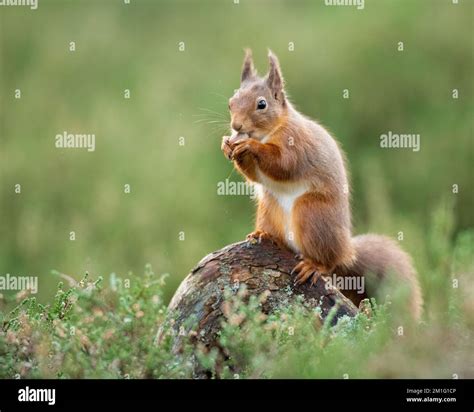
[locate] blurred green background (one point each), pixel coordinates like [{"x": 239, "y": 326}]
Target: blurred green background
[{"x": 184, "y": 94}]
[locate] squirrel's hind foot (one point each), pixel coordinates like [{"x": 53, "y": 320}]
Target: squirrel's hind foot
[{"x": 306, "y": 269}]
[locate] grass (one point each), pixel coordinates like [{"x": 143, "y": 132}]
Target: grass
[
  {"x": 106, "y": 328},
  {"x": 184, "y": 94},
  {"x": 99, "y": 329}
]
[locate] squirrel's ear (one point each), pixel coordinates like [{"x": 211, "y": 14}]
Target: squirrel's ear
[
  {"x": 248, "y": 70},
  {"x": 274, "y": 77}
]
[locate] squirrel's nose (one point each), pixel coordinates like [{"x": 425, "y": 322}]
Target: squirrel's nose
[{"x": 236, "y": 126}]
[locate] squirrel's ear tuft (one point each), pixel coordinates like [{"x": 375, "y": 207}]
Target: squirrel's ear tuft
[
  {"x": 274, "y": 77},
  {"x": 248, "y": 69}
]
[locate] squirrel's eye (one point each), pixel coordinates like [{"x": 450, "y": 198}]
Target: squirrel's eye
[{"x": 261, "y": 104}]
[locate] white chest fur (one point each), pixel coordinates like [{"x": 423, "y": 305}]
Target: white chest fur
[{"x": 286, "y": 195}]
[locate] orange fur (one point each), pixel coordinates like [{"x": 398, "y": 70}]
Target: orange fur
[{"x": 300, "y": 172}]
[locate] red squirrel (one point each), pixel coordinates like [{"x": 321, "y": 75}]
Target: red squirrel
[{"x": 299, "y": 173}]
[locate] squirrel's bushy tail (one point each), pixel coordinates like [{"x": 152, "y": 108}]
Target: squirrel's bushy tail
[{"x": 380, "y": 260}]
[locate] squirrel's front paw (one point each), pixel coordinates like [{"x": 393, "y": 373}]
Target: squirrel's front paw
[
  {"x": 242, "y": 148},
  {"x": 258, "y": 235},
  {"x": 226, "y": 147}
]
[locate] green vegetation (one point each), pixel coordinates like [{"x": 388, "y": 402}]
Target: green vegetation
[
  {"x": 96, "y": 331},
  {"x": 173, "y": 215}
]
